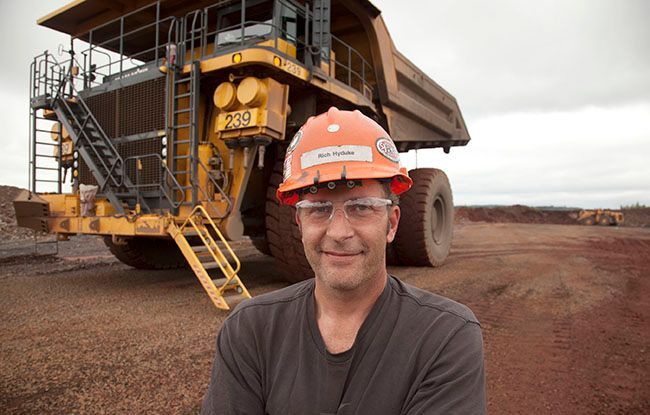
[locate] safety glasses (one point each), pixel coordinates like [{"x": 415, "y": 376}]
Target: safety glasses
[{"x": 357, "y": 211}]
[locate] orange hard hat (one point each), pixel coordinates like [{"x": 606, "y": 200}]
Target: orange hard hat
[{"x": 340, "y": 146}]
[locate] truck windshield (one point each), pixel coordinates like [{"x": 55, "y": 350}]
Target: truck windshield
[
  {"x": 254, "y": 31},
  {"x": 257, "y": 22}
]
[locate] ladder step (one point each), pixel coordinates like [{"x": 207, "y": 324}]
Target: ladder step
[
  {"x": 188, "y": 94},
  {"x": 191, "y": 232},
  {"x": 200, "y": 248},
  {"x": 219, "y": 282},
  {"x": 183, "y": 111},
  {"x": 182, "y": 141},
  {"x": 210, "y": 265},
  {"x": 176, "y": 127},
  {"x": 181, "y": 157}
]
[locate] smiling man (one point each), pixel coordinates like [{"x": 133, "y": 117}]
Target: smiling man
[{"x": 353, "y": 340}]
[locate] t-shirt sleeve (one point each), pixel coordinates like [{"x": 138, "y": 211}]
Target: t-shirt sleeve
[
  {"x": 455, "y": 381},
  {"x": 235, "y": 386}
]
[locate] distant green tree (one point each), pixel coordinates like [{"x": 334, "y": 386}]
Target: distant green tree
[{"x": 636, "y": 205}]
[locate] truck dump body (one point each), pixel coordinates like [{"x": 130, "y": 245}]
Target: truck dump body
[{"x": 417, "y": 112}]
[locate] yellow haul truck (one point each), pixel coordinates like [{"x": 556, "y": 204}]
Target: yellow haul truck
[
  {"x": 171, "y": 119},
  {"x": 601, "y": 217}
]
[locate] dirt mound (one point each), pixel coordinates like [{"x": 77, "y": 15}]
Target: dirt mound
[
  {"x": 515, "y": 214},
  {"x": 8, "y": 228},
  {"x": 637, "y": 217}
]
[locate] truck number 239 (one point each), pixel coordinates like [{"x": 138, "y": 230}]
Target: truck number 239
[{"x": 238, "y": 120}]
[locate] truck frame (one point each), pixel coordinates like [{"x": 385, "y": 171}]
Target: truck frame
[{"x": 173, "y": 118}]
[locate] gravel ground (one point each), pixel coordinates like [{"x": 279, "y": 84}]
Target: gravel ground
[{"x": 564, "y": 311}]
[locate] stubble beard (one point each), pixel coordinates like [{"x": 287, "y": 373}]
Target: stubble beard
[{"x": 348, "y": 278}]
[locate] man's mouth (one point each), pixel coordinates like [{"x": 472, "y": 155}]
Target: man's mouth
[{"x": 341, "y": 254}]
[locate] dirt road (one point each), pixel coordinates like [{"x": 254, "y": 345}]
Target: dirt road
[{"x": 565, "y": 313}]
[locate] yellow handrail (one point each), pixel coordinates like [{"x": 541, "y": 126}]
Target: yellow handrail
[{"x": 204, "y": 213}]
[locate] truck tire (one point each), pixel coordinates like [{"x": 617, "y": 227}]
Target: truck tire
[
  {"x": 587, "y": 221},
  {"x": 282, "y": 233},
  {"x": 147, "y": 253},
  {"x": 261, "y": 244},
  {"x": 425, "y": 230},
  {"x": 391, "y": 255}
]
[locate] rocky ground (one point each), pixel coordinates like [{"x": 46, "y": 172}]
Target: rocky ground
[{"x": 565, "y": 313}]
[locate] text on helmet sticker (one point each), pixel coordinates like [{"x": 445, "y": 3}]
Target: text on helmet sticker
[
  {"x": 333, "y": 154},
  {"x": 387, "y": 148},
  {"x": 287, "y": 167}
]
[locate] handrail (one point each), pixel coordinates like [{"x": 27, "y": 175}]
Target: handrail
[
  {"x": 353, "y": 69},
  {"x": 59, "y": 94},
  {"x": 201, "y": 210},
  {"x": 217, "y": 187},
  {"x": 163, "y": 169}
]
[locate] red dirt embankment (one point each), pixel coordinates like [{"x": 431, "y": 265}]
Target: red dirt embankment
[
  {"x": 637, "y": 217},
  {"x": 524, "y": 214}
]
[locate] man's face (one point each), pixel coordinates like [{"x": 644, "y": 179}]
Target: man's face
[{"x": 345, "y": 254}]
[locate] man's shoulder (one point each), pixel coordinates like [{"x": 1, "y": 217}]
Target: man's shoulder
[
  {"x": 282, "y": 299},
  {"x": 426, "y": 302}
]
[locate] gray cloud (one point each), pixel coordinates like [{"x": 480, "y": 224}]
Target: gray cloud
[
  {"x": 509, "y": 55},
  {"x": 548, "y": 90}
]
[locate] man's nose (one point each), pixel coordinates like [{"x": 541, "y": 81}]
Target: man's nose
[{"x": 339, "y": 227}]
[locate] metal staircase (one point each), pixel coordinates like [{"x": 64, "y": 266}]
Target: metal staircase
[
  {"x": 53, "y": 89},
  {"x": 99, "y": 153},
  {"x": 195, "y": 239}
]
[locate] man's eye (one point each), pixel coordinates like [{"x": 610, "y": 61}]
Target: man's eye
[{"x": 359, "y": 209}]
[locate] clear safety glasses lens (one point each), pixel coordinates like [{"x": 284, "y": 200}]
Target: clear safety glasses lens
[{"x": 355, "y": 210}]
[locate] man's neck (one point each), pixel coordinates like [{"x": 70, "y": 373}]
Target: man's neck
[{"x": 340, "y": 314}]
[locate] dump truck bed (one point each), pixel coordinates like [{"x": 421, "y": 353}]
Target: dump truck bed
[{"x": 419, "y": 112}]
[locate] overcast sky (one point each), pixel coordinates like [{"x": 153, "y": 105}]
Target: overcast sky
[{"x": 555, "y": 94}]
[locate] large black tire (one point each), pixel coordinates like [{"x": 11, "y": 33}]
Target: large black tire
[
  {"x": 147, "y": 253},
  {"x": 261, "y": 244},
  {"x": 282, "y": 233},
  {"x": 425, "y": 229}
]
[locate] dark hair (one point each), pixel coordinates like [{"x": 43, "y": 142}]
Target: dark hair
[{"x": 389, "y": 193}]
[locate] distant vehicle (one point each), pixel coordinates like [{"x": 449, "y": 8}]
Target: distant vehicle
[
  {"x": 601, "y": 217},
  {"x": 174, "y": 119}
]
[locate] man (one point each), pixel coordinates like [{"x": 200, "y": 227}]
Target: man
[{"x": 353, "y": 340}]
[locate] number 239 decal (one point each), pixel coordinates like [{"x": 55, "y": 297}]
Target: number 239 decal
[{"x": 238, "y": 120}]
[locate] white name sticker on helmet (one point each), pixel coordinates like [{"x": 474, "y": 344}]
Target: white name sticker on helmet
[{"x": 334, "y": 154}]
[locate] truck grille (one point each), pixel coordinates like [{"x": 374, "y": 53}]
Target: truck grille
[
  {"x": 134, "y": 109},
  {"x": 151, "y": 169}
]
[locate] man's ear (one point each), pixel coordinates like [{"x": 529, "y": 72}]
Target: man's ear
[
  {"x": 298, "y": 221},
  {"x": 393, "y": 221}
]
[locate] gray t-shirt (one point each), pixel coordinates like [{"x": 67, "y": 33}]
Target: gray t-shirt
[{"x": 416, "y": 353}]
